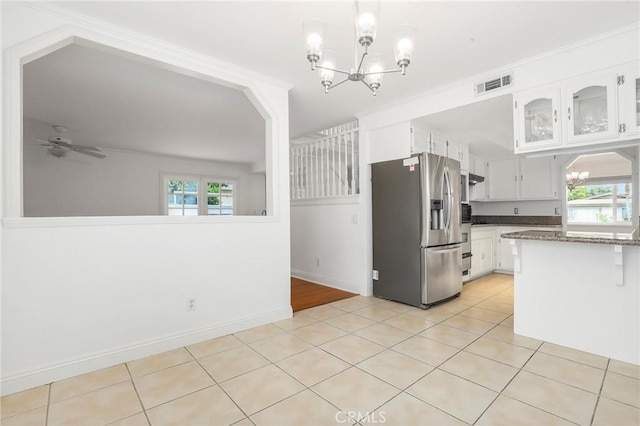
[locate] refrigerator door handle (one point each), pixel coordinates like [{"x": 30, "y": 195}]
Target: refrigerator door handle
[
  {"x": 445, "y": 248},
  {"x": 449, "y": 205}
]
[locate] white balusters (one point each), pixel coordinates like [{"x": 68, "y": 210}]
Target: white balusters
[{"x": 327, "y": 167}]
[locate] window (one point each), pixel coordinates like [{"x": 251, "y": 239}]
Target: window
[
  {"x": 600, "y": 192},
  {"x": 182, "y": 198},
  {"x": 601, "y": 203},
  {"x": 219, "y": 199},
  {"x": 185, "y": 196}
]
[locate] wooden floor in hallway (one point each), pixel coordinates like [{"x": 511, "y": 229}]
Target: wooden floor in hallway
[{"x": 305, "y": 294}]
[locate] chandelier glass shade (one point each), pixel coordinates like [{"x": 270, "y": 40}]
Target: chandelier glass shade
[
  {"x": 575, "y": 179},
  {"x": 368, "y": 67}
]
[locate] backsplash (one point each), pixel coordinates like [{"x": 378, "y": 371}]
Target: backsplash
[{"x": 516, "y": 220}]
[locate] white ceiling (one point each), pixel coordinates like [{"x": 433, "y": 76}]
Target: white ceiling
[
  {"x": 455, "y": 40},
  {"x": 485, "y": 126}
]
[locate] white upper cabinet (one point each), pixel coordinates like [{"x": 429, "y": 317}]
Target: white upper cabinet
[
  {"x": 590, "y": 107},
  {"x": 460, "y": 151},
  {"x": 502, "y": 177},
  {"x": 629, "y": 85},
  {"x": 538, "y": 180},
  {"x": 522, "y": 179},
  {"x": 598, "y": 108},
  {"x": 536, "y": 118},
  {"x": 437, "y": 144}
]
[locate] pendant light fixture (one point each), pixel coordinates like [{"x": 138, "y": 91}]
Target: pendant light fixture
[
  {"x": 575, "y": 179},
  {"x": 368, "y": 67}
]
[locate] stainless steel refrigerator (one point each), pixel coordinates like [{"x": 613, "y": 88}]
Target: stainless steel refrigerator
[{"x": 417, "y": 255}]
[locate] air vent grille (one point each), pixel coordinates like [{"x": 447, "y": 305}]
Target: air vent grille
[{"x": 493, "y": 84}]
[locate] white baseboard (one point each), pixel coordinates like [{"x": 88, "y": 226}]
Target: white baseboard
[
  {"x": 326, "y": 281},
  {"x": 91, "y": 362}
]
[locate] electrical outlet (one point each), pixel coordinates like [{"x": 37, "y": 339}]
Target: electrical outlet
[
  {"x": 515, "y": 210},
  {"x": 375, "y": 274},
  {"x": 191, "y": 304},
  {"x": 557, "y": 210}
]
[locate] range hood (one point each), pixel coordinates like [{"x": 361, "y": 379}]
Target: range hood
[{"x": 473, "y": 179}]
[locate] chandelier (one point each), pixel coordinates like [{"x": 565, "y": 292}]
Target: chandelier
[
  {"x": 368, "y": 67},
  {"x": 576, "y": 179}
]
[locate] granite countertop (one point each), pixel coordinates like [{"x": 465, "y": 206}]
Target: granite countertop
[
  {"x": 623, "y": 239},
  {"x": 514, "y": 225}
]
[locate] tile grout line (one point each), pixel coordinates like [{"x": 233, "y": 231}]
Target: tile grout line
[
  {"x": 604, "y": 377},
  {"x": 135, "y": 388},
  {"x": 46, "y": 417},
  {"x": 216, "y": 383},
  {"x": 507, "y": 385}
]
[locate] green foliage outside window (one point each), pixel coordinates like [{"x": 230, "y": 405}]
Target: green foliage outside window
[{"x": 580, "y": 192}]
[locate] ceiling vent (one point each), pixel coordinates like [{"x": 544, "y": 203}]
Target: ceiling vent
[{"x": 493, "y": 84}]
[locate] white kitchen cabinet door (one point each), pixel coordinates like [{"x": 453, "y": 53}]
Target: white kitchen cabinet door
[
  {"x": 419, "y": 141},
  {"x": 538, "y": 178},
  {"x": 589, "y": 106},
  {"x": 629, "y": 90},
  {"x": 482, "y": 250},
  {"x": 504, "y": 261},
  {"x": 462, "y": 154},
  {"x": 502, "y": 179},
  {"x": 438, "y": 144},
  {"x": 536, "y": 121}
]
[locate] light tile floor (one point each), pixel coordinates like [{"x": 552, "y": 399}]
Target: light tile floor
[{"x": 360, "y": 361}]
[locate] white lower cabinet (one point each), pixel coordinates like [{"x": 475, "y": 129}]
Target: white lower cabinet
[
  {"x": 504, "y": 253},
  {"x": 490, "y": 252},
  {"x": 504, "y": 261},
  {"x": 482, "y": 251}
]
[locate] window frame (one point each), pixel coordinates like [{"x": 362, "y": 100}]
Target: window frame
[
  {"x": 202, "y": 193},
  {"x": 615, "y": 223}
]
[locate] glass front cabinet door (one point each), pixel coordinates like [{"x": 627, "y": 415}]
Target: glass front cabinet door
[
  {"x": 630, "y": 92},
  {"x": 537, "y": 118},
  {"x": 590, "y": 108}
]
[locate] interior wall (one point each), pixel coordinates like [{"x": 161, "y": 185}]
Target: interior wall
[
  {"x": 326, "y": 241},
  {"x": 80, "y": 295},
  {"x": 123, "y": 184}
]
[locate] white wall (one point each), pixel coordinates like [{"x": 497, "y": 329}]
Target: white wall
[
  {"x": 326, "y": 243},
  {"x": 78, "y": 295},
  {"x": 123, "y": 184}
]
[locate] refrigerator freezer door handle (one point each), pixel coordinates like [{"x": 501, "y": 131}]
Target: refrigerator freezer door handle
[{"x": 445, "y": 248}]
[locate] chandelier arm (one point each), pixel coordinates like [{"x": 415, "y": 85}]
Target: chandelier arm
[
  {"x": 337, "y": 84},
  {"x": 382, "y": 72},
  {"x": 364, "y": 54},
  {"x": 369, "y": 86},
  {"x": 333, "y": 69}
]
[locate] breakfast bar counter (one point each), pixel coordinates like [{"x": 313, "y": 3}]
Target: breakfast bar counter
[
  {"x": 611, "y": 238},
  {"x": 580, "y": 290}
]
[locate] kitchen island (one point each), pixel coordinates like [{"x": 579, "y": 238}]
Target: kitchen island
[{"x": 580, "y": 290}]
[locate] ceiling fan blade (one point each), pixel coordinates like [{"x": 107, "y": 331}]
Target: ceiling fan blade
[
  {"x": 41, "y": 140},
  {"x": 90, "y": 153},
  {"x": 86, "y": 147}
]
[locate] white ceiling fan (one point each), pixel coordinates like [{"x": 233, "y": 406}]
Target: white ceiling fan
[{"x": 60, "y": 147}]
